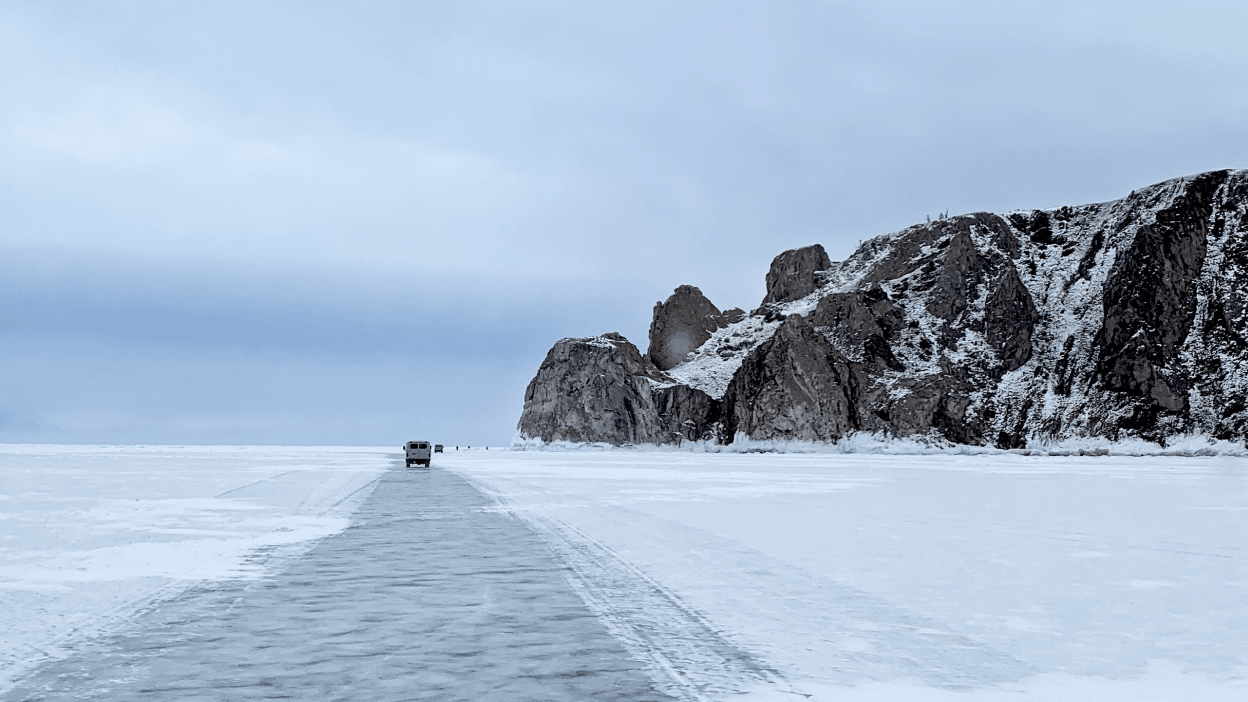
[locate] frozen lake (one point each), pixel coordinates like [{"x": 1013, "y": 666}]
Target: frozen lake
[
  {"x": 430, "y": 595},
  {"x": 218, "y": 573}
]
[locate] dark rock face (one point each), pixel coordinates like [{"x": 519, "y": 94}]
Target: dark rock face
[
  {"x": 1216, "y": 350},
  {"x": 1149, "y": 305},
  {"x": 861, "y": 324},
  {"x": 1009, "y": 317},
  {"x": 795, "y": 386},
  {"x": 792, "y": 274},
  {"x": 812, "y": 380},
  {"x": 592, "y": 389},
  {"x": 686, "y": 414},
  {"x": 682, "y": 324},
  {"x": 603, "y": 389},
  {"x": 1121, "y": 319}
]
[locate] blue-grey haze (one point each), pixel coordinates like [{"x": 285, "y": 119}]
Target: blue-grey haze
[{"x": 323, "y": 222}]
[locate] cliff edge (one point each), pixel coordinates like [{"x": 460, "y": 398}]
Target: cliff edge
[{"x": 1117, "y": 320}]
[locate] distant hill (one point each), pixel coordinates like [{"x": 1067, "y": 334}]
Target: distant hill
[{"x": 1117, "y": 320}]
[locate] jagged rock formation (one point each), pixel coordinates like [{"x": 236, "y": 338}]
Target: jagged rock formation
[
  {"x": 1120, "y": 319},
  {"x": 684, "y": 323},
  {"x": 603, "y": 389},
  {"x": 792, "y": 274}
]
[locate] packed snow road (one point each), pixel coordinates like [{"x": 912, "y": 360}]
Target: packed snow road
[{"x": 216, "y": 573}]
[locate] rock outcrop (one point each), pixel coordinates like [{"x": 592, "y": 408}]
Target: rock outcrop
[
  {"x": 602, "y": 389},
  {"x": 792, "y": 275},
  {"x": 684, "y": 323},
  {"x": 1120, "y": 319}
]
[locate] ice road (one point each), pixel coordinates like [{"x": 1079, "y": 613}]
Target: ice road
[{"x": 335, "y": 573}]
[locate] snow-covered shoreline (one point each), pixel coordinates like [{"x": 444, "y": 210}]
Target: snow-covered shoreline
[{"x": 875, "y": 443}]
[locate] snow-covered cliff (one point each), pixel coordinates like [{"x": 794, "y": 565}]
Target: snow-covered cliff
[{"x": 1116, "y": 320}]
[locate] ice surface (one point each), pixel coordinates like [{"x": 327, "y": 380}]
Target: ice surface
[
  {"x": 89, "y": 535},
  {"x": 768, "y": 576},
  {"x": 430, "y": 595},
  {"x": 880, "y": 577}
]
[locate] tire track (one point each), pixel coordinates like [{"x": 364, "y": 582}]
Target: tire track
[
  {"x": 430, "y": 595},
  {"x": 685, "y": 653}
]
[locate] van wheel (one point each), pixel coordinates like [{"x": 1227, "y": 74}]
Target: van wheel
[{"x": 409, "y": 464}]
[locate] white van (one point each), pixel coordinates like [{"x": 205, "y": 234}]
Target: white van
[{"x": 418, "y": 452}]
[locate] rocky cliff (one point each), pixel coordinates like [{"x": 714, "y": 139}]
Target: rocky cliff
[
  {"x": 1116, "y": 320},
  {"x": 684, "y": 323}
]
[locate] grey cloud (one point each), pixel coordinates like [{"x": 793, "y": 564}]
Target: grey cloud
[{"x": 483, "y": 165}]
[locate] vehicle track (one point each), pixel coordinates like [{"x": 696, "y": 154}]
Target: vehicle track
[
  {"x": 684, "y": 651},
  {"x": 431, "y": 594}
]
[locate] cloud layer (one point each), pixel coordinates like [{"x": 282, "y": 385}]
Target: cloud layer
[{"x": 452, "y": 186}]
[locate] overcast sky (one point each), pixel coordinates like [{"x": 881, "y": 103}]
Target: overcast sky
[{"x": 364, "y": 222}]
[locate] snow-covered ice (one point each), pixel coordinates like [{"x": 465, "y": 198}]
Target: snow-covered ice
[
  {"x": 89, "y": 535},
  {"x": 431, "y": 594},
  {"x": 878, "y": 577},
  {"x": 724, "y": 576}
]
